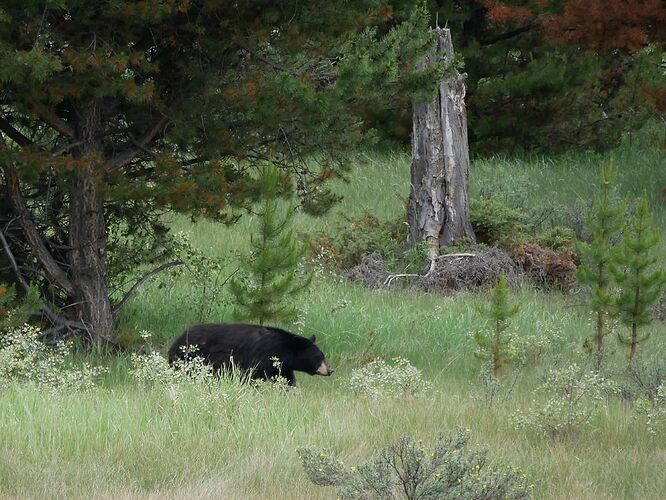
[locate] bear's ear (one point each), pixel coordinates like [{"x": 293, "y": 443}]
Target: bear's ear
[{"x": 313, "y": 338}]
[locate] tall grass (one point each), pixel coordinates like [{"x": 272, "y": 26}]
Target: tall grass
[{"x": 124, "y": 441}]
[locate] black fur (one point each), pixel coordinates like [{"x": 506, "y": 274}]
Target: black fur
[{"x": 250, "y": 348}]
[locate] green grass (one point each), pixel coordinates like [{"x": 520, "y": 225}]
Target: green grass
[{"x": 124, "y": 441}]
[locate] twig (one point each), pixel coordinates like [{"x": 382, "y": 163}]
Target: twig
[
  {"x": 391, "y": 277},
  {"x": 269, "y": 62},
  {"x": 12, "y": 261},
  {"x": 454, "y": 255},
  {"x": 142, "y": 280}
]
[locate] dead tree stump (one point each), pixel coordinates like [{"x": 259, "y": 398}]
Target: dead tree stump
[{"x": 438, "y": 207}]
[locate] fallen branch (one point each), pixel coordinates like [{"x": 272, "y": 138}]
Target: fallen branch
[
  {"x": 454, "y": 255},
  {"x": 451, "y": 256},
  {"x": 391, "y": 277}
]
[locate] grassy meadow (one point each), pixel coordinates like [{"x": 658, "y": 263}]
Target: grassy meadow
[{"x": 122, "y": 440}]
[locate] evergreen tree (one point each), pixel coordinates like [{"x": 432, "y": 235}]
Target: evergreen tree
[
  {"x": 495, "y": 346},
  {"x": 640, "y": 279},
  {"x": 605, "y": 222},
  {"x": 114, "y": 112},
  {"x": 273, "y": 279}
]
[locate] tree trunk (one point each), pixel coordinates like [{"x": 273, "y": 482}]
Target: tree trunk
[
  {"x": 87, "y": 230},
  {"x": 438, "y": 209}
]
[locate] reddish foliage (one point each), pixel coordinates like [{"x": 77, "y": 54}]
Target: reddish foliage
[
  {"x": 604, "y": 25},
  {"x": 658, "y": 96},
  {"x": 600, "y": 25},
  {"x": 500, "y": 13},
  {"x": 553, "y": 268}
]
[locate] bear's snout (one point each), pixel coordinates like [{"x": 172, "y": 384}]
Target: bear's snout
[{"x": 324, "y": 369}]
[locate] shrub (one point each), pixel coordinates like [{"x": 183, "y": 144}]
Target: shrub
[
  {"x": 641, "y": 380},
  {"x": 558, "y": 238},
  {"x": 573, "y": 399},
  {"x": 359, "y": 236},
  {"x": 24, "y": 358},
  {"x": 654, "y": 409},
  {"x": 190, "y": 385},
  {"x": 406, "y": 469},
  {"x": 545, "y": 266},
  {"x": 494, "y": 221},
  {"x": 379, "y": 379},
  {"x": 15, "y": 311}
]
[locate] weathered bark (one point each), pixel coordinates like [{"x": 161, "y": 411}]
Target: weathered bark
[
  {"x": 87, "y": 229},
  {"x": 438, "y": 209}
]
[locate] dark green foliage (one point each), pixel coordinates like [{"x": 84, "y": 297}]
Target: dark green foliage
[
  {"x": 495, "y": 346},
  {"x": 605, "y": 223},
  {"x": 273, "y": 279},
  {"x": 115, "y": 112},
  {"x": 494, "y": 221},
  {"x": 14, "y": 310},
  {"x": 639, "y": 275},
  {"x": 406, "y": 469},
  {"x": 526, "y": 92},
  {"x": 355, "y": 237},
  {"x": 558, "y": 238}
]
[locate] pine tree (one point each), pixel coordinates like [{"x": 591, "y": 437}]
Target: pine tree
[
  {"x": 605, "y": 222},
  {"x": 495, "y": 346},
  {"x": 273, "y": 279},
  {"x": 641, "y": 280},
  {"x": 115, "y": 112}
]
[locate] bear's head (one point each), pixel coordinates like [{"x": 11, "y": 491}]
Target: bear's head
[{"x": 312, "y": 360}]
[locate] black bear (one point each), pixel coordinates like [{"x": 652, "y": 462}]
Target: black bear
[{"x": 252, "y": 349}]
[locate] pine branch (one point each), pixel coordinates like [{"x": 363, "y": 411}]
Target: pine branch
[{"x": 126, "y": 156}]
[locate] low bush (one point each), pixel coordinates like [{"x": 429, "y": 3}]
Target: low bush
[
  {"x": 406, "y": 469},
  {"x": 394, "y": 379},
  {"x": 494, "y": 221},
  {"x": 545, "y": 266},
  {"x": 24, "y": 358},
  {"x": 574, "y": 397},
  {"x": 355, "y": 237}
]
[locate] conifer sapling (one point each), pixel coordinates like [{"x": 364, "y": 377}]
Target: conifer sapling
[
  {"x": 495, "y": 346},
  {"x": 273, "y": 279},
  {"x": 605, "y": 222},
  {"x": 641, "y": 280}
]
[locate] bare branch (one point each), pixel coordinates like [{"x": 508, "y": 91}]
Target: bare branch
[
  {"x": 129, "y": 154},
  {"x": 267, "y": 61},
  {"x": 513, "y": 33},
  {"x": 13, "y": 134},
  {"x": 142, "y": 280},
  {"x": 13, "y": 263},
  {"x": 55, "y": 273},
  {"x": 66, "y": 148},
  {"x": 55, "y": 122},
  {"x": 52, "y": 316}
]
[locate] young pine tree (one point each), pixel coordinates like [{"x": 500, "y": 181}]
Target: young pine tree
[
  {"x": 605, "y": 222},
  {"x": 272, "y": 276},
  {"x": 495, "y": 345},
  {"x": 641, "y": 281}
]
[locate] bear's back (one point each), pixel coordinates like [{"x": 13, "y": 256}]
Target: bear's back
[{"x": 221, "y": 341}]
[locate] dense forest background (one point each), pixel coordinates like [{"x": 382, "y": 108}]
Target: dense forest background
[{"x": 551, "y": 75}]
